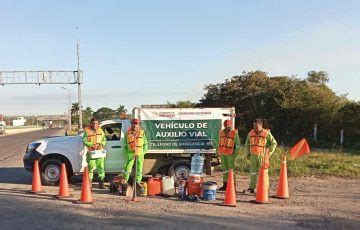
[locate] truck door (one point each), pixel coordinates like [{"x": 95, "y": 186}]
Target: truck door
[{"x": 115, "y": 159}]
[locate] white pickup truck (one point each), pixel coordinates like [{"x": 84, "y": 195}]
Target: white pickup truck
[{"x": 174, "y": 135}]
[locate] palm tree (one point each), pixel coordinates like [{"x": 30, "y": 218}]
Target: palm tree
[
  {"x": 75, "y": 109},
  {"x": 87, "y": 115},
  {"x": 88, "y": 110},
  {"x": 121, "y": 110}
]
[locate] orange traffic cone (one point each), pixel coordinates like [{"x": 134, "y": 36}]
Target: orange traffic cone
[
  {"x": 86, "y": 196},
  {"x": 283, "y": 187},
  {"x": 230, "y": 196},
  {"x": 36, "y": 181},
  {"x": 262, "y": 193},
  {"x": 64, "y": 185}
]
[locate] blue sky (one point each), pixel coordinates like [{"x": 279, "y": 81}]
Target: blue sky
[{"x": 150, "y": 52}]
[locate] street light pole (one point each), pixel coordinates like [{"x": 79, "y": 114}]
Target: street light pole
[{"x": 79, "y": 76}]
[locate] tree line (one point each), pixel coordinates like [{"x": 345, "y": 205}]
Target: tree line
[
  {"x": 103, "y": 113},
  {"x": 291, "y": 107}
]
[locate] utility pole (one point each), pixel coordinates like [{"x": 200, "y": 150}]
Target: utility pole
[
  {"x": 69, "y": 111},
  {"x": 79, "y": 76}
]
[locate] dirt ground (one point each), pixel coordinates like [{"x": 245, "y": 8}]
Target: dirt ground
[{"x": 325, "y": 203}]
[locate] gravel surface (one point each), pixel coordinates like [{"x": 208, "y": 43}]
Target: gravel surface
[{"x": 325, "y": 203}]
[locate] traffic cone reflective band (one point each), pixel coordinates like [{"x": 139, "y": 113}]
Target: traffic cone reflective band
[
  {"x": 36, "y": 181},
  {"x": 283, "y": 187},
  {"x": 230, "y": 195},
  {"x": 64, "y": 185},
  {"x": 86, "y": 196},
  {"x": 262, "y": 193}
]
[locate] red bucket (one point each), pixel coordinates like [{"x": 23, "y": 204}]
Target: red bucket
[{"x": 194, "y": 184}]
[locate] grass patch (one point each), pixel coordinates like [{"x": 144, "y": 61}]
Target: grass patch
[{"x": 315, "y": 164}]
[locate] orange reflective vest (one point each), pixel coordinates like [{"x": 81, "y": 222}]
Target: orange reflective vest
[
  {"x": 258, "y": 141},
  {"x": 135, "y": 140},
  {"x": 94, "y": 137},
  {"x": 226, "y": 142}
]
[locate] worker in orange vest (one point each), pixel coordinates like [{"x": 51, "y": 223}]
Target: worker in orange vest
[
  {"x": 136, "y": 146},
  {"x": 94, "y": 139},
  {"x": 228, "y": 149},
  {"x": 259, "y": 146}
]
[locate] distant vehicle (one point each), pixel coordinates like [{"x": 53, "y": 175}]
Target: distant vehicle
[{"x": 174, "y": 136}]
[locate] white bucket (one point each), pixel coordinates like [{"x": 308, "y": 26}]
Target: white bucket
[{"x": 168, "y": 185}]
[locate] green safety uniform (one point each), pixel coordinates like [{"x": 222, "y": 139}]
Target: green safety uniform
[
  {"x": 134, "y": 142},
  {"x": 91, "y": 138},
  {"x": 257, "y": 146},
  {"x": 228, "y": 150}
]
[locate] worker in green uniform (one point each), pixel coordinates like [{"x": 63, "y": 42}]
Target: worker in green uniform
[
  {"x": 94, "y": 139},
  {"x": 135, "y": 147},
  {"x": 259, "y": 146},
  {"x": 227, "y": 151}
]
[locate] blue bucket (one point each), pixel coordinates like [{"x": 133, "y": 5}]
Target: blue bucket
[{"x": 209, "y": 190}]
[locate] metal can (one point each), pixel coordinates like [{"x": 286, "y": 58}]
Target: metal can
[{"x": 182, "y": 187}]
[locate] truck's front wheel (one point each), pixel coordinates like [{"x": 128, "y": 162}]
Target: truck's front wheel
[
  {"x": 50, "y": 171},
  {"x": 181, "y": 169}
]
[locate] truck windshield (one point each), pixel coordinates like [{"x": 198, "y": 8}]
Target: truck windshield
[{"x": 112, "y": 131}]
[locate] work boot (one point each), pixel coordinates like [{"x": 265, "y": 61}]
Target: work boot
[
  {"x": 223, "y": 188},
  {"x": 249, "y": 191},
  {"x": 101, "y": 184}
]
